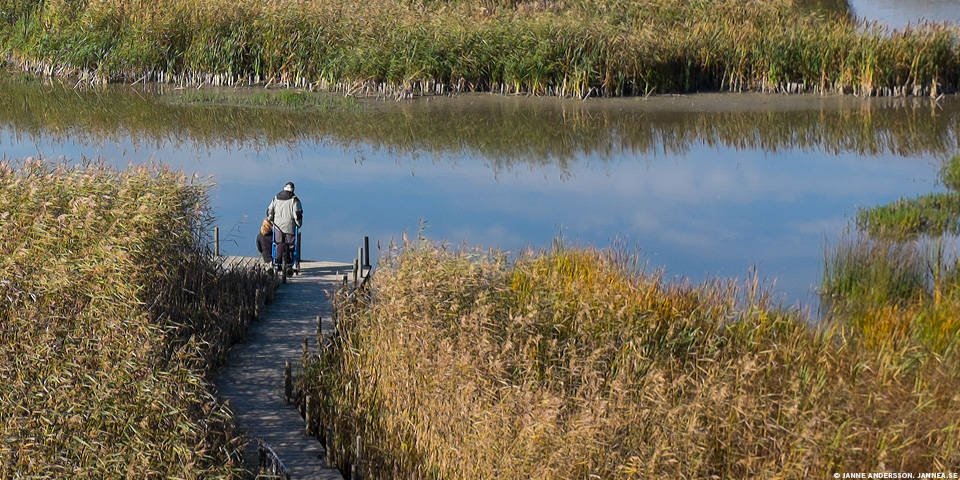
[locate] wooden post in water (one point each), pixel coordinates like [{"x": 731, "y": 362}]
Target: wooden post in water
[{"x": 287, "y": 383}]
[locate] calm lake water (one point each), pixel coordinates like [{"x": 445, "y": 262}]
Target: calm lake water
[
  {"x": 705, "y": 186},
  {"x": 900, "y": 13}
]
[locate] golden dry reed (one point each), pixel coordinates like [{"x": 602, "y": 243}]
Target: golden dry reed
[
  {"x": 576, "y": 364},
  {"x": 112, "y": 311},
  {"x": 898, "y": 280},
  {"x": 896, "y": 292},
  {"x": 547, "y": 47}
]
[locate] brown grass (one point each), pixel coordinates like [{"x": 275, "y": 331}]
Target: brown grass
[
  {"x": 570, "y": 364},
  {"x": 112, "y": 312}
]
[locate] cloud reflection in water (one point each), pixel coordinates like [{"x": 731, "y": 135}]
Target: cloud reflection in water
[{"x": 698, "y": 198}]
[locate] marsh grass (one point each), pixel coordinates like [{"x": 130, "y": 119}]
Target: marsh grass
[
  {"x": 934, "y": 213},
  {"x": 950, "y": 173},
  {"x": 897, "y": 282},
  {"x": 877, "y": 271},
  {"x": 112, "y": 314},
  {"x": 575, "y": 364},
  {"x": 565, "y": 48},
  {"x": 931, "y": 214},
  {"x": 895, "y": 292}
]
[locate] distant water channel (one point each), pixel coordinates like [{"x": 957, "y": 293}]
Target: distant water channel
[
  {"x": 899, "y": 14},
  {"x": 703, "y": 186}
]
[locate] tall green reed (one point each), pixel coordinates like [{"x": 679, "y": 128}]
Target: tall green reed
[{"x": 556, "y": 48}]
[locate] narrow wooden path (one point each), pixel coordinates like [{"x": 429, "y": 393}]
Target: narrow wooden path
[{"x": 252, "y": 381}]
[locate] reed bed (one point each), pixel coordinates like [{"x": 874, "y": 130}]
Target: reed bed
[
  {"x": 898, "y": 282},
  {"x": 112, "y": 314},
  {"x": 564, "y": 48},
  {"x": 575, "y": 363},
  {"x": 931, "y": 214},
  {"x": 896, "y": 293}
]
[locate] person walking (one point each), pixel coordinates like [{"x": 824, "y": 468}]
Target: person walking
[{"x": 286, "y": 214}]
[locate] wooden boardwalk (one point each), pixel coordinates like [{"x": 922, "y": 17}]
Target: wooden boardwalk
[{"x": 252, "y": 381}]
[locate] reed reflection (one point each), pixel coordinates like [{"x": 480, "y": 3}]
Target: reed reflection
[
  {"x": 506, "y": 131},
  {"x": 705, "y": 186}
]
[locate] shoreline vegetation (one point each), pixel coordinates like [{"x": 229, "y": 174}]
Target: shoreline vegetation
[
  {"x": 575, "y": 363},
  {"x": 899, "y": 280},
  {"x": 562, "y": 48},
  {"x": 932, "y": 214},
  {"x": 509, "y": 132},
  {"x": 459, "y": 363},
  {"x": 113, "y": 313},
  {"x": 569, "y": 363}
]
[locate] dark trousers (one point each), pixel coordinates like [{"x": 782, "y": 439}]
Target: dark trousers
[
  {"x": 264, "y": 246},
  {"x": 285, "y": 242}
]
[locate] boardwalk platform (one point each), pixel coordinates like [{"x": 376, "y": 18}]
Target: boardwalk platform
[{"x": 252, "y": 381}]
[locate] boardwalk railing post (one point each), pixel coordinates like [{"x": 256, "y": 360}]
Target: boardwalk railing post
[
  {"x": 287, "y": 383},
  {"x": 329, "y": 446},
  {"x": 366, "y": 253},
  {"x": 356, "y": 272},
  {"x": 355, "y": 468},
  {"x": 257, "y": 302},
  {"x": 308, "y": 416},
  {"x": 270, "y": 463}
]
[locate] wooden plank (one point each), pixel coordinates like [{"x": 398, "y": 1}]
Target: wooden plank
[{"x": 252, "y": 382}]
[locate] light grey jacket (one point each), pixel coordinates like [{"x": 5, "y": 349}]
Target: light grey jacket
[{"x": 285, "y": 212}]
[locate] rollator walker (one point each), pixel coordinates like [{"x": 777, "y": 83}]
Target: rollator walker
[{"x": 286, "y": 255}]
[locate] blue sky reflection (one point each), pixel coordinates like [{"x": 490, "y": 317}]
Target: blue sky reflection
[{"x": 705, "y": 212}]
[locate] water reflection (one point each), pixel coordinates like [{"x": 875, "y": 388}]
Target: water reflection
[
  {"x": 704, "y": 186},
  {"x": 898, "y": 14}
]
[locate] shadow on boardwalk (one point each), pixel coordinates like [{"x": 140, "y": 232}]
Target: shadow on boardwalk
[{"x": 252, "y": 381}]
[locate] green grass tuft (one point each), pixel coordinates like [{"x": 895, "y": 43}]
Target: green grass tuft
[{"x": 931, "y": 214}]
